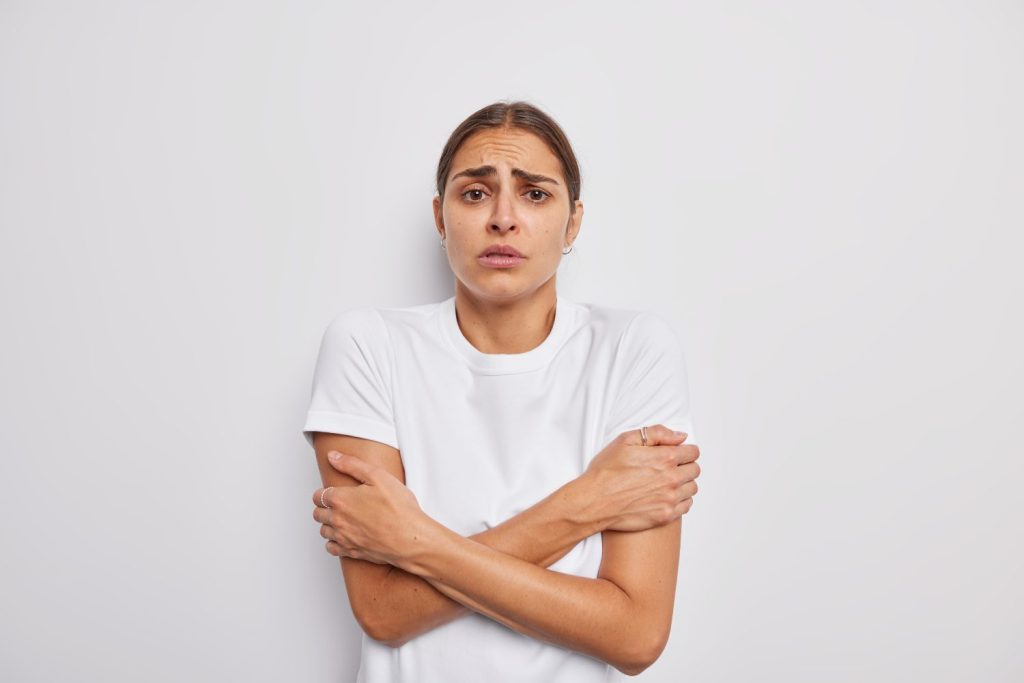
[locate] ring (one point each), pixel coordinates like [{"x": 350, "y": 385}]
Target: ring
[
  {"x": 322, "y": 497},
  {"x": 643, "y": 434}
]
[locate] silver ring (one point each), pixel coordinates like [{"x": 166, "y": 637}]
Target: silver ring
[
  {"x": 322, "y": 497},
  {"x": 643, "y": 434}
]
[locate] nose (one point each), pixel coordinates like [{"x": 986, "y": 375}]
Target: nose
[{"x": 503, "y": 218}]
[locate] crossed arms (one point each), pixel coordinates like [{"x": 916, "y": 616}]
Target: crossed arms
[{"x": 622, "y": 616}]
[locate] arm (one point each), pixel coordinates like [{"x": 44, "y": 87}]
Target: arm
[
  {"x": 392, "y": 605},
  {"x": 622, "y": 617}
]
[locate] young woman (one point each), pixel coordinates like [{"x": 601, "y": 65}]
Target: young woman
[{"x": 508, "y": 487}]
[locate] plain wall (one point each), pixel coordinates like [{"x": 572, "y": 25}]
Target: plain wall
[{"x": 825, "y": 198}]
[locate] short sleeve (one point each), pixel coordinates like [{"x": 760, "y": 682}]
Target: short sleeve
[
  {"x": 649, "y": 382},
  {"x": 352, "y": 380}
]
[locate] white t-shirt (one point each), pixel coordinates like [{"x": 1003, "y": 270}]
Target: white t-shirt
[{"x": 484, "y": 437}]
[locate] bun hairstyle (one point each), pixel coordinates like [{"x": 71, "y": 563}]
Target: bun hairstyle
[{"x": 517, "y": 115}]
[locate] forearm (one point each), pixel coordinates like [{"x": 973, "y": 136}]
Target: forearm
[
  {"x": 407, "y": 605},
  {"x": 588, "y": 615}
]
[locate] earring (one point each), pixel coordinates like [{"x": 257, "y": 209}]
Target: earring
[
  {"x": 568, "y": 252},
  {"x": 442, "y": 244}
]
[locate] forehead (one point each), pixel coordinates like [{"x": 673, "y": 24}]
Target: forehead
[{"x": 513, "y": 147}]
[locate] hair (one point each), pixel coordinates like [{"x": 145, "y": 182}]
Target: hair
[{"x": 517, "y": 115}]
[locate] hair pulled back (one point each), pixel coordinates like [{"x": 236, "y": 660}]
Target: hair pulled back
[{"x": 511, "y": 116}]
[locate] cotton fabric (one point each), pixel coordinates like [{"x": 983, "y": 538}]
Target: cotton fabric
[{"x": 485, "y": 436}]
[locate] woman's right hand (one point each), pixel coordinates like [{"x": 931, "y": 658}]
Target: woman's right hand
[{"x": 633, "y": 487}]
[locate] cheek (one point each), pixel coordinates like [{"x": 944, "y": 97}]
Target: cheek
[{"x": 554, "y": 235}]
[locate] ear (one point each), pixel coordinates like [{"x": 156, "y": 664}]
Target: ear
[
  {"x": 438, "y": 218},
  {"x": 572, "y": 228}
]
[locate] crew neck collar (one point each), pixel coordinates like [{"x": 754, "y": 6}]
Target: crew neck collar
[{"x": 506, "y": 363}]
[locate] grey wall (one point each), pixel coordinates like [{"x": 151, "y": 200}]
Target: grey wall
[{"x": 824, "y": 197}]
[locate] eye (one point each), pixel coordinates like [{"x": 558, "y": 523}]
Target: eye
[
  {"x": 537, "y": 200},
  {"x": 473, "y": 200}
]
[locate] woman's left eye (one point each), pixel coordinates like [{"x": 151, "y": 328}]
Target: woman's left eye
[{"x": 543, "y": 195}]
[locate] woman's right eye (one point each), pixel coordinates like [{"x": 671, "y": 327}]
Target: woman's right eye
[{"x": 470, "y": 192}]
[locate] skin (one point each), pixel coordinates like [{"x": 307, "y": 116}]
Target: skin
[
  {"x": 509, "y": 310},
  {"x": 433, "y": 575},
  {"x": 374, "y": 517}
]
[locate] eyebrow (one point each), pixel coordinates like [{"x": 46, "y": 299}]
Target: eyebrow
[{"x": 484, "y": 171}]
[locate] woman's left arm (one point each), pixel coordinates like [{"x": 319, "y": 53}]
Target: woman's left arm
[{"x": 622, "y": 617}]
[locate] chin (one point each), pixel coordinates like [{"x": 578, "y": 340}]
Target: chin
[{"x": 503, "y": 287}]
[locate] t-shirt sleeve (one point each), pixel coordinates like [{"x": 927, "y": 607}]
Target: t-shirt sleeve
[
  {"x": 352, "y": 380},
  {"x": 649, "y": 384}
]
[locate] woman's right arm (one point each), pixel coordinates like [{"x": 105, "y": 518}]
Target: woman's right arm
[{"x": 393, "y": 606}]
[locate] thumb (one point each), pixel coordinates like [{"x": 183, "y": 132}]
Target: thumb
[
  {"x": 351, "y": 465},
  {"x": 660, "y": 435}
]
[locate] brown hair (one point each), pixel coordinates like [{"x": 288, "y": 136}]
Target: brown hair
[{"x": 514, "y": 115}]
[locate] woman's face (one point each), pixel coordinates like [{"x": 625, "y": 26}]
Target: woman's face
[{"x": 505, "y": 187}]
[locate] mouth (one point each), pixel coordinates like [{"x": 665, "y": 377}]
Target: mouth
[
  {"x": 499, "y": 260},
  {"x": 501, "y": 250}
]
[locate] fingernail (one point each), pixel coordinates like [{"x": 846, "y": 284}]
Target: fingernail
[
  {"x": 678, "y": 433},
  {"x": 334, "y": 455}
]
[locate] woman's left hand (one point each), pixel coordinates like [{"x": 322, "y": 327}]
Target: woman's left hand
[{"x": 375, "y": 520}]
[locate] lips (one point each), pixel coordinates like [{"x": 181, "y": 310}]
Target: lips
[
  {"x": 499, "y": 257},
  {"x": 501, "y": 250}
]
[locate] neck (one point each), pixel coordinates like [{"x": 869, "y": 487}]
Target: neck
[{"x": 506, "y": 325}]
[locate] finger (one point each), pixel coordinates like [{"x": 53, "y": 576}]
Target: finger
[
  {"x": 688, "y": 489},
  {"x": 337, "y": 549},
  {"x": 683, "y": 507},
  {"x": 657, "y": 434},
  {"x": 322, "y": 497},
  {"x": 688, "y": 471},
  {"x": 686, "y": 453},
  {"x": 356, "y": 468},
  {"x": 323, "y": 515}
]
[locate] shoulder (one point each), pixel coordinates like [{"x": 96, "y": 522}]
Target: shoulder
[
  {"x": 363, "y": 318},
  {"x": 633, "y": 329},
  {"x": 648, "y": 328},
  {"x": 356, "y": 326},
  {"x": 378, "y": 331},
  {"x": 356, "y": 336},
  {"x": 387, "y": 322}
]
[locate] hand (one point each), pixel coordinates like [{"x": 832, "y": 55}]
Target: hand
[
  {"x": 372, "y": 521},
  {"x": 636, "y": 487}
]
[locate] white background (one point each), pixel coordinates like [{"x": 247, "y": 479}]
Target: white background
[{"x": 825, "y": 198}]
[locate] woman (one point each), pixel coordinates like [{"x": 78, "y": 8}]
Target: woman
[{"x": 454, "y": 420}]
